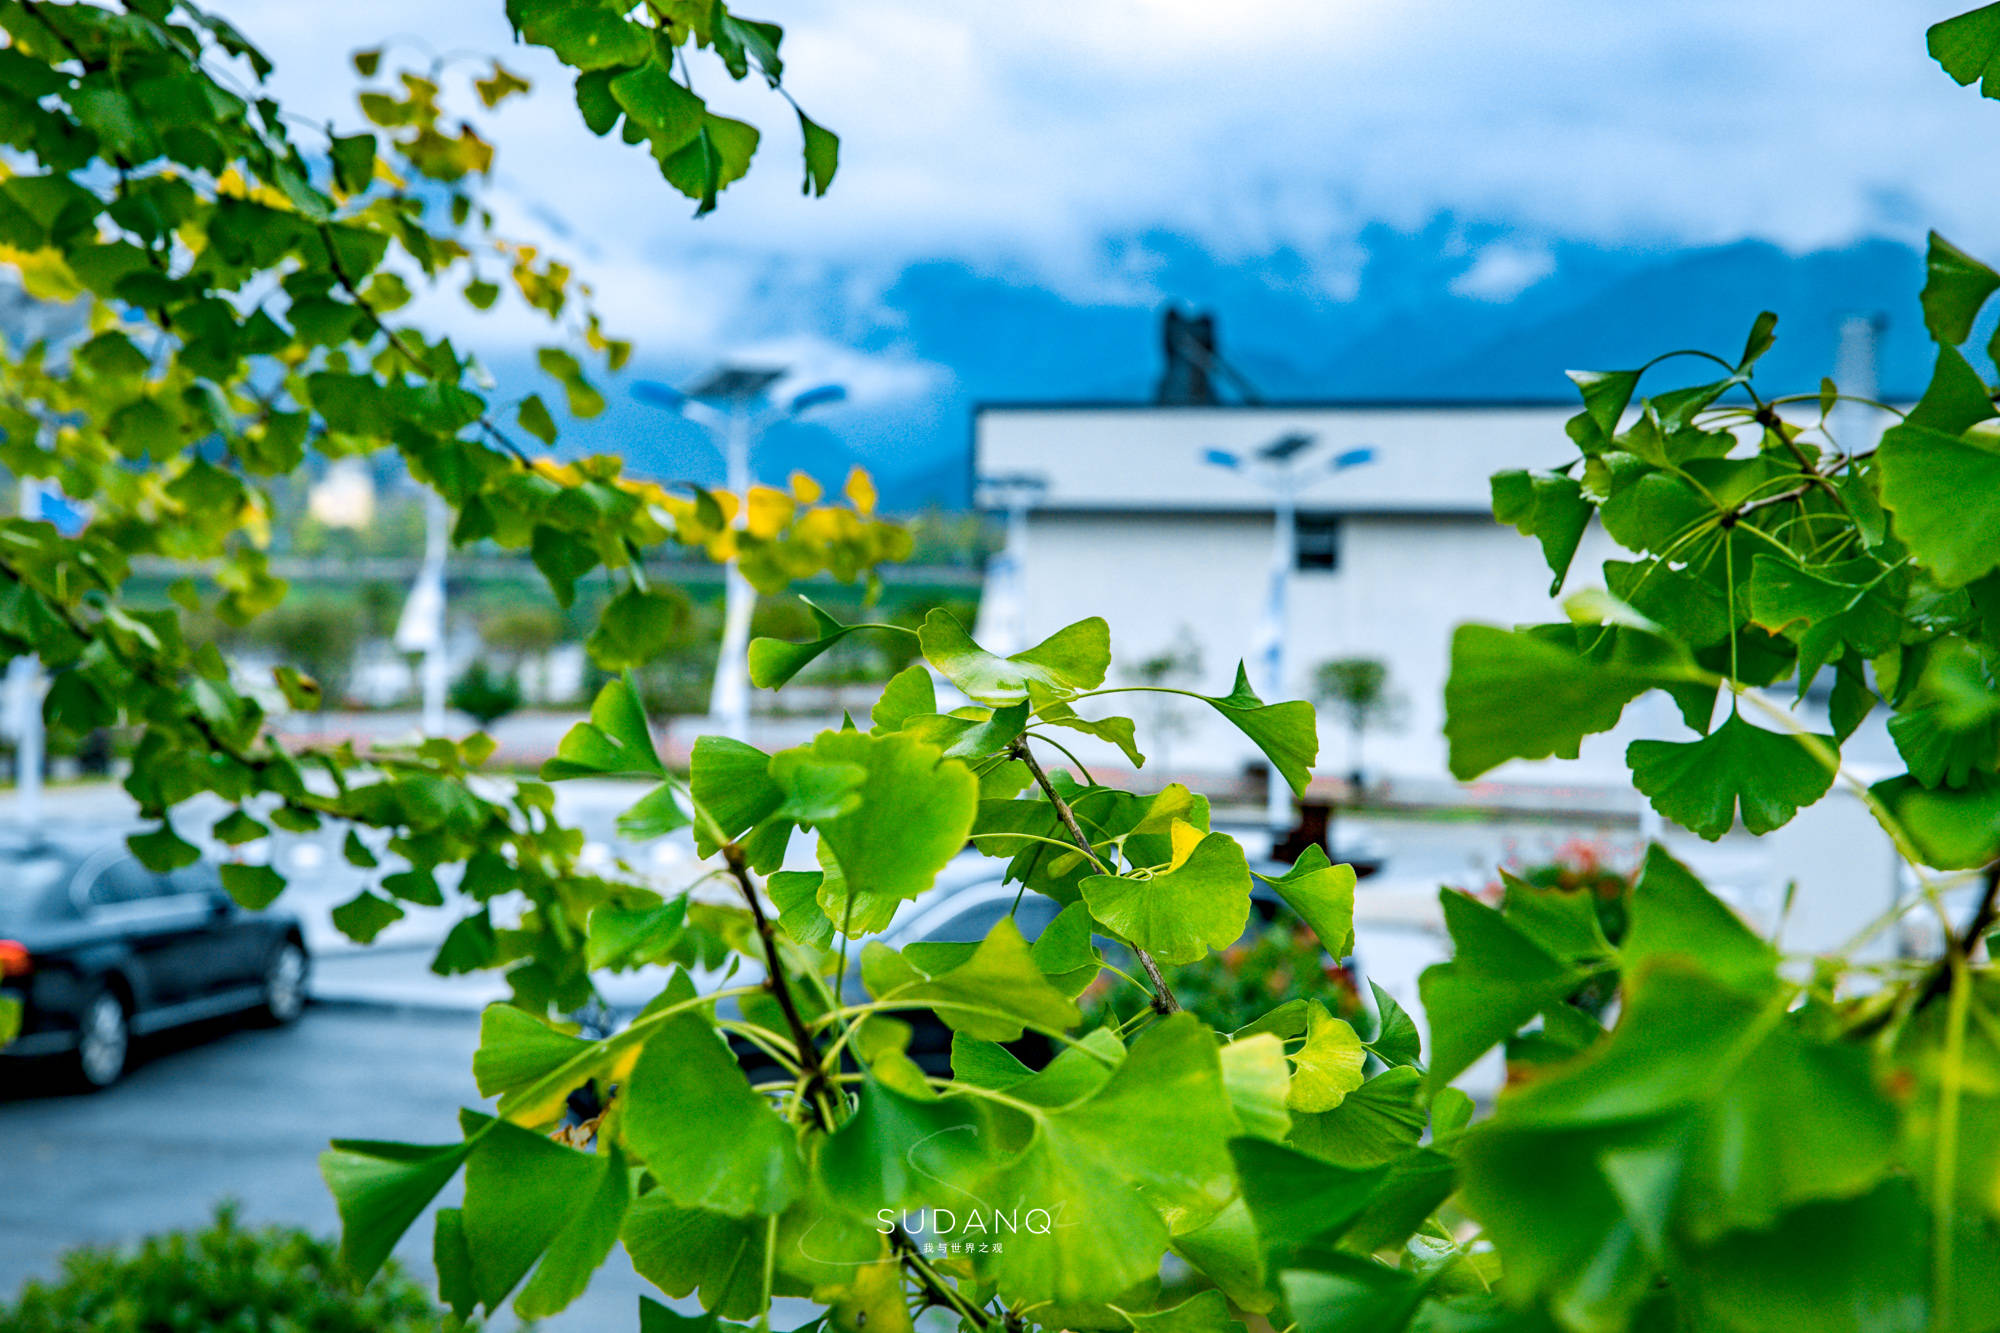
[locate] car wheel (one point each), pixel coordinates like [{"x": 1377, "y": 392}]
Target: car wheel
[
  {"x": 285, "y": 984},
  {"x": 103, "y": 1042}
]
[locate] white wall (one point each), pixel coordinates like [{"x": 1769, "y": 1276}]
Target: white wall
[{"x": 1403, "y": 584}]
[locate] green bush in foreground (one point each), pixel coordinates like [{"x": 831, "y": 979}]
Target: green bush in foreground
[{"x": 226, "y": 1278}]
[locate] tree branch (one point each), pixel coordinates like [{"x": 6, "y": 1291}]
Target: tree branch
[
  {"x": 774, "y": 980},
  {"x": 1163, "y": 997},
  {"x": 1958, "y": 945}
]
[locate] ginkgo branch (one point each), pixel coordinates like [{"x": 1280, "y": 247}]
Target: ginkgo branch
[{"x": 1163, "y": 995}]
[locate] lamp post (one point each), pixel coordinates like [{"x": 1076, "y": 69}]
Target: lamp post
[
  {"x": 1286, "y": 468},
  {"x": 61, "y": 327},
  {"x": 733, "y": 404},
  {"x": 1003, "y": 608},
  {"x": 421, "y": 629}
]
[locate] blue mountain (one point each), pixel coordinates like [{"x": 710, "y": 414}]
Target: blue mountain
[{"x": 1405, "y": 325}]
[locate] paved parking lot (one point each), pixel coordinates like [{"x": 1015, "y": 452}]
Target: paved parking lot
[{"x": 223, "y": 1111}]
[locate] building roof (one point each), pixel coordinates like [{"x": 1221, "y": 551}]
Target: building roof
[{"x": 1428, "y": 458}]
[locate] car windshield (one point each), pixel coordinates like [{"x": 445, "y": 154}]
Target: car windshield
[{"x": 26, "y": 884}]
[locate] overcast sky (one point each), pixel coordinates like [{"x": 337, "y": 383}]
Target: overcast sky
[{"x": 1020, "y": 136}]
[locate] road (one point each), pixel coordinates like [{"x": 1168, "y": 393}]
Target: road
[{"x": 230, "y": 1112}]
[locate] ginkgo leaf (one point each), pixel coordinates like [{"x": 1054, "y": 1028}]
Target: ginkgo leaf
[
  {"x": 1286, "y": 732},
  {"x": 521, "y": 1191},
  {"x": 1071, "y": 660},
  {"x": 380, "y": 1189},
  {"x": 773, "y": 662},
  {"x": 1514, "y": 695},
  {"x": 1328, "y": 1066},
  {"x": 711, "y": 1142},
  {"x": 1496, "y": 980},
  {"x": 1375, "y": 1123},
  {"x": 1955, "y": 284},
  {"x": 1397, "y": 1040},
  {"x": 1828, "y": 609},
  {"x": 1700, "y": 784},
  {"x": 993, "y": 995},
  {"x": 616, "y": 742},
  {"x": 896, "y": 826},
  {"x": 909, "y": 693},
  {"x": 516, "y": 1051},
  {"x": 1323, "y": 895},
  {"x": 1674, "y": 914},
  {"x": 1548, "y": 506},
  {"x": 1259, "y": 1081},
  {"x": 1606, "y": 393},
  {"x": 1181, "y": 914},
  {"x": 1118, "y": 731},
  {"x": 1943, "y": 496}
]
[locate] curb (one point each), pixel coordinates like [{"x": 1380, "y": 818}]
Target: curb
[{"x": 396, "y": 1004}]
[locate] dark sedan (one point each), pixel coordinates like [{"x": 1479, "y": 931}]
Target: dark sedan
[{"x": 97, "y": 949}]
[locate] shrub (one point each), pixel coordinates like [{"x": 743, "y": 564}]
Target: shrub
[
  {"x": 1273, "y": 964},
  {"x": 226, "y": 1278}
]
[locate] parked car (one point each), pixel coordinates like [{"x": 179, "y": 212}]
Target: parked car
[{"x": 97, "y": 950}]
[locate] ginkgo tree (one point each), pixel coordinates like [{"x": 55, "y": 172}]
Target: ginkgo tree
[{"x": 1756, "y": 1142}]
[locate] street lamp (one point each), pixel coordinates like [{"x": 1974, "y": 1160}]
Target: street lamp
[
  {"x": 61, "y": 327},
  {"x": 1286, "y": 467},
  {"x": 733, "y": 404},
  {"x": 422, "y": 628},
  {"x": 1003, "y": 606}
]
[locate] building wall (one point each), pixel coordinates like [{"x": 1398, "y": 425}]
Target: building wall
[{"x": 1402, "y": 584}]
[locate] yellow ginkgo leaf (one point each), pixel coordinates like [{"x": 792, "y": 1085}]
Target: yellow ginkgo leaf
[{"x": 861, "y": 490}]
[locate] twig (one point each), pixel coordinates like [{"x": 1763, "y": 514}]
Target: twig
[
  {"x": 774, "y": 981},
  {"x": 1163, "y": 997},
  {"x": 1958, "y": 944}
]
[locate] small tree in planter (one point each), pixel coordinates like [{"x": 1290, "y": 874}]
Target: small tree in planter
[
  {"x": 1356, "y": 690},
  {"x": 485, "y": 695}
]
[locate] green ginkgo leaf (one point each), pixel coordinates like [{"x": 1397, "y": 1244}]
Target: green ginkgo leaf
[
  {"x": 1519, "y": 695},
  {"x": 1943, "y": 496},
  {"x": 1496, "y": 980},
  {"x": 711, "y": 1142},
  {"x": 994, "y": 994},
  {"x": 1955, "y": 284},
  {"x": 522, "y": 1190},
  {"x": 379, "y": 1189},
  {"x": 1323, "y": 895},
  {"x": 1328, "y": 1066},
  {"x": 1548, "y": 506},
  {"x": 1071, "y": 660},
  {"x": 773, "y": 662},
  {"x": 1287, "y": 732},
  {"x": 1199, "y": 904},
  {"x": 616, "y": 742},
  {"x": 896, "y": 827},
  {"x": 1700, "y": 784}
]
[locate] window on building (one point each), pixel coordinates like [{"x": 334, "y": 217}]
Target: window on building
[{"x": 1318, "y": 541}]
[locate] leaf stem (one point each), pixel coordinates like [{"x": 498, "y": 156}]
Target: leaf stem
[
  {"x": 1944, "y": 1167},
  {"x": 1163, "y": 995}
]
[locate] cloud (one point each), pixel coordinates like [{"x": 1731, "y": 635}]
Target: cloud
[
  {"x": 1023, "y": 138},
  {"x": 1503, "y": 271}
]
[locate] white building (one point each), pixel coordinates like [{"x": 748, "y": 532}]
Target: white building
[{"x": 1130, "y": 521}]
